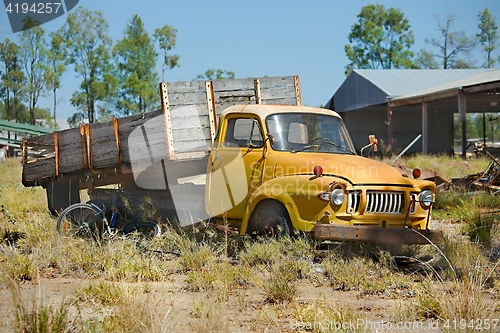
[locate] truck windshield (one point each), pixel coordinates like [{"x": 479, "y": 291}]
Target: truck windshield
[{"x": 309, "y": 132}]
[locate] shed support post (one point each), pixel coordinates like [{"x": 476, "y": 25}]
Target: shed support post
[
  {"x": 484, "y": 128},
  {"x": 425, "y": 129},
  {"x": 462, "y": 112},
  {"x": 389, "y": 127}
]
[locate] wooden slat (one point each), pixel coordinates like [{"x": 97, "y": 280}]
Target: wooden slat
[
  {"x": 183, "y": 147},
  {"x": 191, "y": 134},
  {"x": 103, "y": 149},
  {"x": 290, "y": 100},
  {"x": 222, "y": 106},
  {"x": 189, "y": 110},
  {"x": 41, "y": 168},
  {"x": 233, "y": 85},
  {"x": 185, "y": 87},
  {"x": 277, "y": 92},
  {"x": 190, "y": 122},
  {"x": 47, "y": 139},
  {"x": 71, "y": 152},
  {"x": 129, "y": 124},
  {"x": 277, "y": 81},
  {"x": 187, "y": 98}
]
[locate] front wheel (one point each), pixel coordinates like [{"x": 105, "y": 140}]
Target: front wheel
[
  {"x": 145, "y": 229},
  {"x": 80, "y": 220},
  {"x": 271, "y": 220}
]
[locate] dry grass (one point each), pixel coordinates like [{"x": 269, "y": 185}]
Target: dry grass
[
  {"x": 458, "y": 281},
  {"x": 443, "y": 165}
]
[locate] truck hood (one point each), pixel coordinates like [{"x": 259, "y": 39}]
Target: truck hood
[{"x": 355, "y": 169}]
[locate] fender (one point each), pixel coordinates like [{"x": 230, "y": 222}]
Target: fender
[
  {"x": 283, "y": 190},
  {"x": 284, "y": 199}
]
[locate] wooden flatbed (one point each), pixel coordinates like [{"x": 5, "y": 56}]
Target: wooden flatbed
[{"x": 175, "y": 139}]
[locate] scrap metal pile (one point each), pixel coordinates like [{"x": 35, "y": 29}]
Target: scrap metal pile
[{"x": 487, "y": 180}]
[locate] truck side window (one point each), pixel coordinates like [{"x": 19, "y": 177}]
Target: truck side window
[{"x": 243, "y": 132}]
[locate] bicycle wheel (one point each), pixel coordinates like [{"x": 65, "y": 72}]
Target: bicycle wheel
[
  {"x": 145, "y": 229},
  {"x": 80, "y": 220}
]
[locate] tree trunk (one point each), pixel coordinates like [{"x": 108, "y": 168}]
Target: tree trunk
[
  {"x": 31, "y": 109},
  {"x": 55, "y": 105}
]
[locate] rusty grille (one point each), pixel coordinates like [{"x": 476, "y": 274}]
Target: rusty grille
[
  {"x": 353, "y": 199},
  {"x": 381, "y": 202}
]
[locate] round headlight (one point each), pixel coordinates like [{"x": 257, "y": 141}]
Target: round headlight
[
  {"x": 425, "y": 198},
  {"x": 337, "y": 197}
]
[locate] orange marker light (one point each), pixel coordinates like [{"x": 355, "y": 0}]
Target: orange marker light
[{"x": 318, "y": 171}]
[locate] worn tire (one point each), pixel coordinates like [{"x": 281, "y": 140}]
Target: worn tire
[
  {"x": 146, "y": 229},
  {"x": 270, "y": 219},
  {"x": 80, "y": 220}
]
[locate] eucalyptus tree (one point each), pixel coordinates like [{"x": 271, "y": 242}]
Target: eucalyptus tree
[
  {"x": 452, "y": 44},
  {"x": 381, "y": 38},
  {"x": 488, "y": 35},
  {"x": 425, "y": 60},
  {"x": 12, "y": 82},
  {"x": 88, "y": 47},
  {"x": 56, "y": 66},
  {"x": 166, "y": 38},
  {"x": 33, "y": 50},
  {"x": 216, "y": 74},
  {"x": 136, "y": 61}
]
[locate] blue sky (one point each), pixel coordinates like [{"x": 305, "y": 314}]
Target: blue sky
[{"x": 258, "y": 38}]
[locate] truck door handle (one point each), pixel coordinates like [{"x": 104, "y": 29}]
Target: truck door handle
[{"x": 216, "y": 158}]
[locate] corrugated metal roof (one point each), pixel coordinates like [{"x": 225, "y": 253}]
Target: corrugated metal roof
[
  {"x": 366, "y": 87},
  {"x": 487, "y": 76},
  {"x": 400, "y": 82},
  {"x": 10, "y": 143},
  {"x": 11, "y": 126}
]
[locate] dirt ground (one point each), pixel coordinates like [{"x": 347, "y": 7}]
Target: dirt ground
[
  {"x": 181, "y": 303},
  {"x": 243, "y": 310}
]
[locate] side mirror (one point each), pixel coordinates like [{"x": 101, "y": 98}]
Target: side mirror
[{"x": 373, "y": 144}]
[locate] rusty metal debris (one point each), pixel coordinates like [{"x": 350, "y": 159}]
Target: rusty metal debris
[
  {"x": 224, "y": 228},
  {"x": 441, "y": 183},
  {"x": 488, "y": 180}
]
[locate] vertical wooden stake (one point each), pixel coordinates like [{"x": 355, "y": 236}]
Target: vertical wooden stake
[
  {"x": 56, "y": 150},
  {"x": 212, "y": 114},
  {"x": 165, "y": 108},
  {"x": 116, "y": 127},
  {"x": 258, "y": 98},
  {"x": 298, "y": 98},
  {"x": 87, "y": 141},
  {"x": 83, "y": 146}
]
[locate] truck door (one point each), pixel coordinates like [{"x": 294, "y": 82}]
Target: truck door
[{"x": 235, "y": 167}]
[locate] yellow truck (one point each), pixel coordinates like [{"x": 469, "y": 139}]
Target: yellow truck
[{"x": 243, "y": 154}]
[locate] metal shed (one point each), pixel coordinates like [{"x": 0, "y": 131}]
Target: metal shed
[{"x": 398, "y": 105}]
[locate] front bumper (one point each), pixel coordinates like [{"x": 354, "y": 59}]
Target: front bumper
[{"x": 370, "y": 234}]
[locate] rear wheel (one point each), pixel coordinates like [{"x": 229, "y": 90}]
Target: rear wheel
[
  {"x": 80, "y": 220},
  {"x": 270, "y": 219}
]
